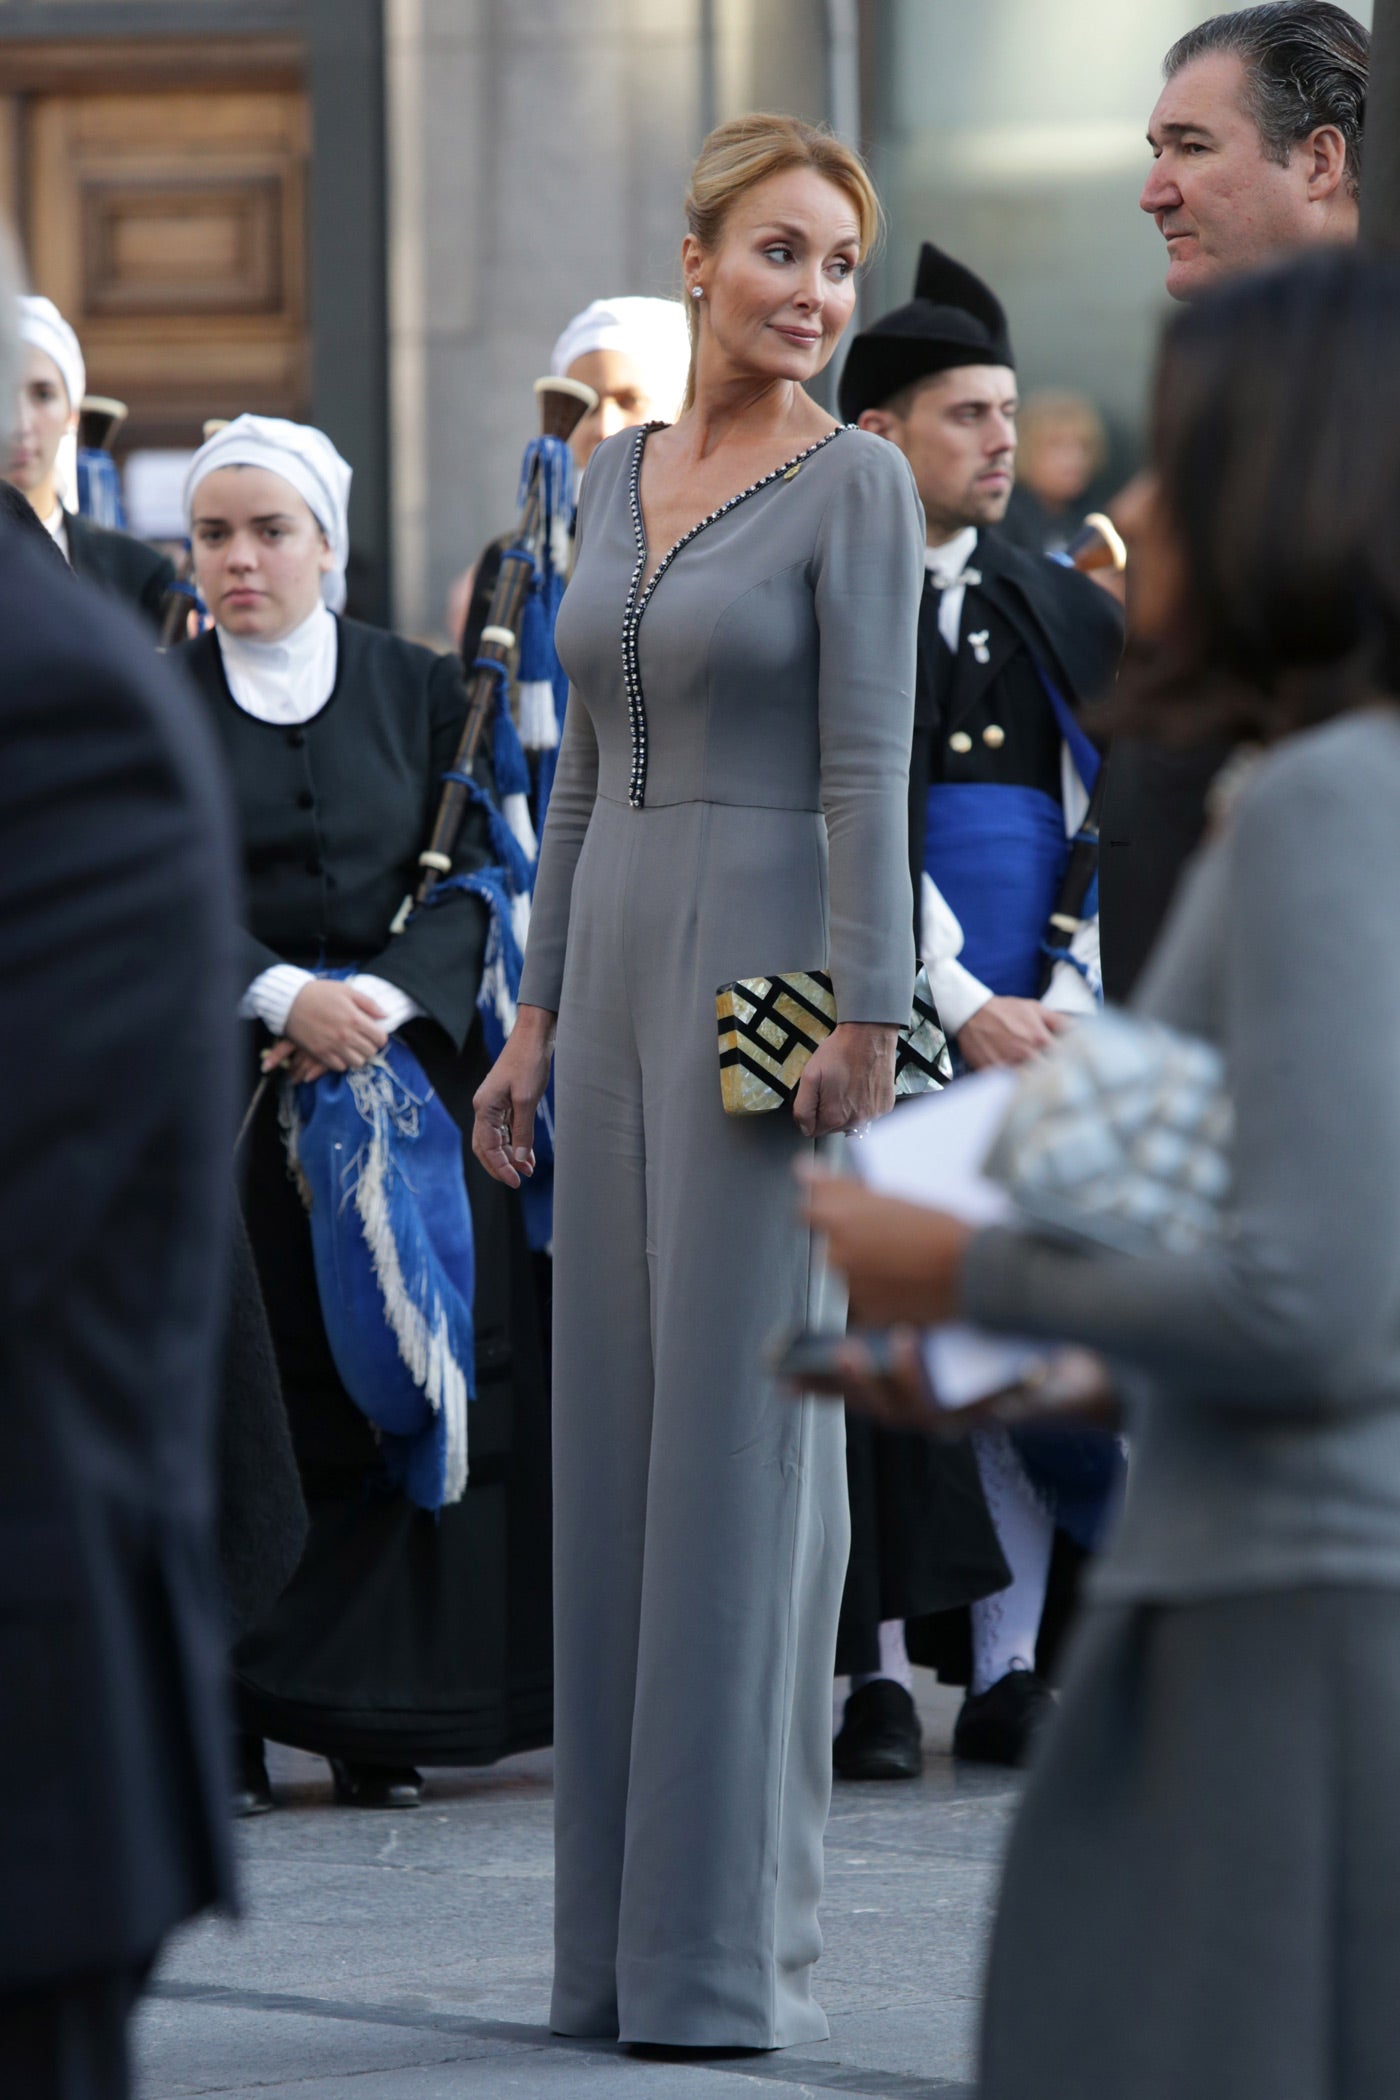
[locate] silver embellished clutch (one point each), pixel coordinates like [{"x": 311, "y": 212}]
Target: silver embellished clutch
[
  {"x": 769, "y": 1027},
  {"x": 1120, "y": 1135}
]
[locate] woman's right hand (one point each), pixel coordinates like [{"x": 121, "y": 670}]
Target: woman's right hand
[
  {"x": 506, "y": 1101},
  {"x": 337, "y": 1028}
]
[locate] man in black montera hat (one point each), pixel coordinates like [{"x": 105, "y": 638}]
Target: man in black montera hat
[{"x": 1010, "y": 645}]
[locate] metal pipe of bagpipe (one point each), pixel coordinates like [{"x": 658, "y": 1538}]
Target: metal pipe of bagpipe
[
  {"x": 563, "y": 403},
  {"x": 1097, "y": 545},
  {"x": 182, "y": 598}
]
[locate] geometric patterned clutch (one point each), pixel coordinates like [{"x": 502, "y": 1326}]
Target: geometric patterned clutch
[{"x": 769, "y": 1027}]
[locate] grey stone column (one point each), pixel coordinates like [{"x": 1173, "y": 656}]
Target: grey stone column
[{"x": 538, "y": 153}]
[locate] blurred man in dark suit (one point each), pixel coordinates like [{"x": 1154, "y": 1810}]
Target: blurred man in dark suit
[
  {"x": 1256, "y": 149},
  {"x": 116, "y": 1115}
]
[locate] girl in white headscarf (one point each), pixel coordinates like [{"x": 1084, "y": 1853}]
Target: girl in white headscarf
[
  {"x": 635, "y": 354},
  {"x": 53, "y": 381},
  {"x": 390, "y": 1646}
]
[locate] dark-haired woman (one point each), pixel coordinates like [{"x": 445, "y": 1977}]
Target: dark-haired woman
[{"x": 1202, "y": 1895}]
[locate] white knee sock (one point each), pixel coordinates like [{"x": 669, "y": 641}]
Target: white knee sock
[
  {"x": 1005, "y": 1626},
  {"x": 894, "y": 1658}
]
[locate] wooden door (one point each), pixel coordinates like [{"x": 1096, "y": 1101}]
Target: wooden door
[{"x": 168, "y": 222}]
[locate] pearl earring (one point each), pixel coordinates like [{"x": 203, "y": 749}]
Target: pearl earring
[{"x": 697, "y": 291}]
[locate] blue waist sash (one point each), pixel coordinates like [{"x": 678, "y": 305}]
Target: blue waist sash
[{"x": 998, "y": 855}]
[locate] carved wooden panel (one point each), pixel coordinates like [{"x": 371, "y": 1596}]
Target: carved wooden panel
[
  {"x": 169, "y": 225},
  {"x": 163, "y": 245}
]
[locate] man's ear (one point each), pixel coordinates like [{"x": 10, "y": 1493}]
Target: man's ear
[
  {"x": 1326, "y": 163},
  {"x": 879, "y": 422}
]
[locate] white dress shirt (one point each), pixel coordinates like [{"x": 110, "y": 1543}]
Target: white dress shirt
[
  {"x": 945, "y": 565},
  {"x": 289, "y": 682}
]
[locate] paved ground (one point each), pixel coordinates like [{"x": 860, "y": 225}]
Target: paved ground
[{"x": 406, "y": 1956}]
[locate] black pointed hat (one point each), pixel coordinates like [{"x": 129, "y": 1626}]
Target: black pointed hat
[{"x": 952, "y": 319}]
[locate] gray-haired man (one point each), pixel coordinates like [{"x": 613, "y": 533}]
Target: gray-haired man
[{"x": 1256, "y": 141}]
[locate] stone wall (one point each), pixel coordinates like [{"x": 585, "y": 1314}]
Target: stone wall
[{"x": 538, "y": 152}]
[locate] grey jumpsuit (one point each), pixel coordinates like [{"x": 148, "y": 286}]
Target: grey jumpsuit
[{"x": 730, "y": 800}]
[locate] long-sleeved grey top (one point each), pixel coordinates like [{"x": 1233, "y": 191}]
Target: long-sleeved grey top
[
  {"x": 773, "y": 671},
  {"x": 1266, "y": 1445}
]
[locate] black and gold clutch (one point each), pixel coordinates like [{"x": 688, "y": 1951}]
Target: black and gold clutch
[{"x": 769, "y": 1027}]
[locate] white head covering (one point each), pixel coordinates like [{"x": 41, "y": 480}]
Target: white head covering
[
  {"x": 652, "y": 332},
  {"x": 303, "y": 456},
  {"x": 41, "y": 324}
]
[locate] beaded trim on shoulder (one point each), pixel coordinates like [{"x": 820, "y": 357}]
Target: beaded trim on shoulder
[{"x": 636, "y": 606}]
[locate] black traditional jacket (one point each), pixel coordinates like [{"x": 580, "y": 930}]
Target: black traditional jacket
[
  {"x": 120, "y": 564},
  {"x": 333, "y": 815},
  {"x": 1033, "y": 612}
]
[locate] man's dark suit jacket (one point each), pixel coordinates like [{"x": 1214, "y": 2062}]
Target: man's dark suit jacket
[
  {"x": 1154, "y": 813},
  {"x": 116, "y": 1124},
  {"x": 120, "y": 564}
]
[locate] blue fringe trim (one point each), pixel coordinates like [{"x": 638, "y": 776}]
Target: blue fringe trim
[{"x": 508, "y": 753}]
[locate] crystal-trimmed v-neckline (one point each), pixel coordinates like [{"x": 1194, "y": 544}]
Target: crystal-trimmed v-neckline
[
  {"x": 787, "y": 466},
  {"x": 639, "y": 595}
]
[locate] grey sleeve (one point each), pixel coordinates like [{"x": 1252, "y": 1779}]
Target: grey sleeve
[
  {"x": 868, "y": 575},
  {"x": 571, "y": 802},
  {"x": 1299, "y": 1305}
]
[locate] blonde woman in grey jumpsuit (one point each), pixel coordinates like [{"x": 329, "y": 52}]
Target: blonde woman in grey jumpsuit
[{"x": 730, "y": 800}]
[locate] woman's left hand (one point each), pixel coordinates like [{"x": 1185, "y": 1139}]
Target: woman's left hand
[
  {"x": 849, "y": 1081},
  {"x": 903, "y": 1263}
]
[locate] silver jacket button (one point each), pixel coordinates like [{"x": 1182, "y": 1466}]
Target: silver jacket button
[
  {"x": 960, "y": 742},
  {"x": 994, "y": 735}
]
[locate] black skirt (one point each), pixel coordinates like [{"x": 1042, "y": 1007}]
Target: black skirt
[
  {"x": 921, "y": 1540},
  {"x": 404, "y": 1636},
  {"x": 1201, "y": 1898}
]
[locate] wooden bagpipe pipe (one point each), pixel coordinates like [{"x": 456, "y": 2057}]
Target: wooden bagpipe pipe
[
  {"x": 562, "y": 404},
  {"x": 1097, "y": 546}
]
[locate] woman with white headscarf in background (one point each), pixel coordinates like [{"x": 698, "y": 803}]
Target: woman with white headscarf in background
[
  {"x": 406, "y": 1636},
  {"x": 53, "y": 381},
  {"x": 635, "y": 355}
]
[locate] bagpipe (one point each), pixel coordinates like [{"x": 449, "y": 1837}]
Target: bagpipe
[
  {"x": 100, "y": 417},
  {"x": 375, "y": 1154},
  {"x": 529, "y": 583},
  {"x": 1097, "y": 546}
]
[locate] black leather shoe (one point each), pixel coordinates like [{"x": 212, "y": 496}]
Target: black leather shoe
[
  {"x": 999, "y": 1726},
  {"x": 880, "y": 1734},
  {"x": 375, "y": 1786},
  {"x": 252, "y": 1791}
]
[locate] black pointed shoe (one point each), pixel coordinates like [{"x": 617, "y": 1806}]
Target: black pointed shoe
[
  {"x": 375, "y": 1786},
  {"x": 880, "y": 1734},
  {"x": 252, "y": 1790},
  {"x": 1000, "y": 1726}
]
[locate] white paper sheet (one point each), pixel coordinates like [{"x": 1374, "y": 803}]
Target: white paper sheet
[{"x": 931, "y": 1152}]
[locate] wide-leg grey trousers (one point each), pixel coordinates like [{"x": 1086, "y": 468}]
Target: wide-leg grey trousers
[{"x": 701, "y": 1524}]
